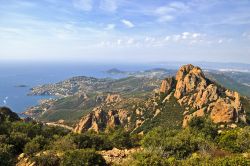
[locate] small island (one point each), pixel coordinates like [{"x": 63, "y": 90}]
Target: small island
[
  {"x": 115, "y": 71},
  {"x": 21, "y": 86}
]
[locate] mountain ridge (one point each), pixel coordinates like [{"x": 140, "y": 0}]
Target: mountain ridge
[{"x": 197, "y": 95}]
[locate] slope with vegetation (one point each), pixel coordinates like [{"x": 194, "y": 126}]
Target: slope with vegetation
[{"x": 179, "y": 99}]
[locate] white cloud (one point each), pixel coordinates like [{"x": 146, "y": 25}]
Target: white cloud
[
  {"x": 170, "y": 11},
  {"x": 195, "y": 35},
  {"x": 110, "y": 27},
  {"x": 220, "y": 41},
  {"x": 150, "y": 39},
  {"x": 131, "y": 41},
  {"x": 185, "y": 35},
  {"x": 108, "y": 5},
  {"x": 179, "y": 6},
  {"x": 119, "y": 41},
  {"x": 85, "y": 5},
  {"x": 165, "y": 18},
  {"x": 176, "y": 38},
  {"x": 128, "y": 23},
  {"x": 164, "y": 10},
  {"x": 167, "y": 38},
  {"x": 246, "y": 35}
]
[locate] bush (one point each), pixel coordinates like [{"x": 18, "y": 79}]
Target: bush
[
  {"x": 147, "y": 158},
  {"x": 82, "y": 157},
  {"x": 243, "y": 139},
  {"x": 204, "y": 127},
  {"x": 235, "y": 140},
  {"x": 6, "y": 155},
  {"x": 232, "y": 161},
  {"x": 63, "y": 144},
  {"x": 156, "y": 137},
  {"x": 175, "y": 144},
  {"x": 120, "y": 139},
  {"x": 92, "y": 140},
  {"x": 47, "y": 159},
  {"x": 35, "y": 145},
  {"x": 5, "y": 127},
  {"x": 50, "y": 131},
  {"x": 18, "y": 140},
  {"x": 29, "y": 128}
]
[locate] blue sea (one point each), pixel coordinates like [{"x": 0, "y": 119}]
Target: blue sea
[{"x": 13, "y": 75}]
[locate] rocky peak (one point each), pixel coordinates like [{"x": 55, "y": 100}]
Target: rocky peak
[
  {"x": 99, "y": 119},
  {"x": 113, "y": 98},
  {"x": 104, "y": 116},
  {"x": 167, "y": 85},
  {"x": 189, "y": 79},
  {"x": 197, "y": 93}
]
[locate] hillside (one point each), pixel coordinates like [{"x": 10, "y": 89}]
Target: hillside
[
  {"x": 236, "y": 81},
  {"x": 189, "y": 94},
  {"x": 80, "y": 95}
]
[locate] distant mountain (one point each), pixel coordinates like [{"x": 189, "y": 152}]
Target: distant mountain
[{"x": 115, "y": 71}]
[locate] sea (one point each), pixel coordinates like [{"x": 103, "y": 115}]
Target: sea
[{"x": 16, "y": 79}]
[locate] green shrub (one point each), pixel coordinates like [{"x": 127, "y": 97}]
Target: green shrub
[
  {"x": 92, "y": 140},
  {"x": 6, "y": 155},
  {"x": 35, "y": 145},
  {"x": 204, "y": 127},
  {"x": 120, "y": 139},
  {"x": 147, "y": 158},
  {"x": 82, "y": 157},
  {"x": 157, "y": 136},
  {"x": 19, "y": 140},
  {"x": 63, "y": 144},
  {"x": 47, "y": 159},
  {"x": 29, "y": 128},
  {"x": 177, "y": 144},
  {"x": 235, "y": 140},
  {"x": 232, "y": 161},
  {"x": 50, "y": 131}
]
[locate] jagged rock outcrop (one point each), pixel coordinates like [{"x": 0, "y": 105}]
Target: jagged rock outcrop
[
  {"x": 103, "y": 117},
  {"x": 167, "y": 85},
  {"x": 112, "y": 98},
  {"x": 117, "y": 156},
  {"x": 203, "y": 97},
  {"x": 115, "y": 111},
  {"x": 99, "y": 119}
]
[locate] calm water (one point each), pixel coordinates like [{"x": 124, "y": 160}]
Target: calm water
[{"x": 14, "y": 75}]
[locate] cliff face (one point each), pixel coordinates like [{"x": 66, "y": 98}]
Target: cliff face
[
  {"x": 107, "y": 115},
  {"x": 189, "y": 91},
  {"x": 202, "y": 97},
  {"x": 100, "y": 119}
]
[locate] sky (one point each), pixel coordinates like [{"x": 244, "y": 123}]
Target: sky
[{"x": 125, "y": 30}]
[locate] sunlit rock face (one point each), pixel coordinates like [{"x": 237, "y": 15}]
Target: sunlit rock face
[{"x": 204, "y": 97}]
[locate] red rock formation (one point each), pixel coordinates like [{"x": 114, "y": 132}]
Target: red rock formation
[{"x": 195, "y": 91}]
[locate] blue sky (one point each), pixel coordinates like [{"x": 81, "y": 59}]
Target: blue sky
[{"x": 125, "y": 30}]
